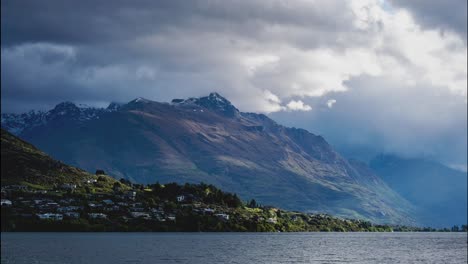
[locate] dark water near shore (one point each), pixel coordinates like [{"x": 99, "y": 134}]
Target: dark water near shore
[{"x": 234, "y": 248}]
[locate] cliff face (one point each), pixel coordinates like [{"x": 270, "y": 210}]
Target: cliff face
[{"x": 208, "y": 140}]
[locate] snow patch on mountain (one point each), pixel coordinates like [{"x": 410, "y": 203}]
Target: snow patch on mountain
[{"x": 17, "y": 123}]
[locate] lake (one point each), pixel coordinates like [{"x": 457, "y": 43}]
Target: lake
[{"x": 234, "y": 248}]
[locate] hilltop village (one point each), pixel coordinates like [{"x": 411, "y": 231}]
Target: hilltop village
[{"x": 101, "y": 204}]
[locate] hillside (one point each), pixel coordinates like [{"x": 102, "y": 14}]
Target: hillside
[
  {"x": 22, "y": 163},
  {"x": 437, "y": 190},
  {"x": 208, "y": 140},
  {"x": 41, "y": 194}
]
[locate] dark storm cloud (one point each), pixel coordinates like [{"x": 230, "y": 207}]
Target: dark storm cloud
[
  {"x": 265, "y": 56},
  {"x": 445, "y": 14},
  {"x": 109, "y": 46},
  {"x": 81, "y": 22}
]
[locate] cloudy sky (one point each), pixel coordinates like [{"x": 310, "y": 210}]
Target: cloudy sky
[{"x": 371, "y": 76}]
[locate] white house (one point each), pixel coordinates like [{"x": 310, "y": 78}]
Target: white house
[
  {"x": 223, "y": 216},
  {"x": 72, "y": 215},
  {"x": 271, "y": 220},
  {"x": 180, "y": 198},
  {"x": 97, "y": 216},
  {"x": 51, "y": 216},
  {"x": 171, "y": 217},
  {"x": 6, "y": 202},
  {"x": 140, "y": 215},
  {"x": 208, "y": 211}
]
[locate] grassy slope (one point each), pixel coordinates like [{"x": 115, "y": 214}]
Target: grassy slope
[{"x": 22, "y": 163}]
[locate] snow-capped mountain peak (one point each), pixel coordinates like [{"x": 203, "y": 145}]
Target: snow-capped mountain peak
[
  {"x": 62, "y": 112},
  {"x": 213, "y": 101}
]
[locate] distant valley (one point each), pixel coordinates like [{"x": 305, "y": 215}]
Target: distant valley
[{"x": 439, "y": 192}]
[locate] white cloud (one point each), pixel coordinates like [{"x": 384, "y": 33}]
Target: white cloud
[
  {"x": 330, "y": 103},
  {"x": 256, "y": 62},
  {"x": 298, "y": 106}
]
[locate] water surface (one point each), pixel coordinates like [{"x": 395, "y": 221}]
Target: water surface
[{"x": 234, "y": 248}]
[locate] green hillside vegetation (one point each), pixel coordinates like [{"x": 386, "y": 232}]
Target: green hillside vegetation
[
  {"x": 24, "y": 164},
  {"x": 206, "y": 208},
  {"x": 157, "y": 208}
]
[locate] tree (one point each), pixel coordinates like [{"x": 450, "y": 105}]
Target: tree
[
  {"x": 117, "y": 186},
  {"x": 100, "y": 172},
  {"x": 253, "y": 203},
  {"x": 455, "y": 228},
  {"x": 101, "y": 179},
  {"x": 126, "y": 182}
]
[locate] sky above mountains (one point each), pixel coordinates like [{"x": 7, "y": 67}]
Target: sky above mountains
[{"x": 369, "y": 75}]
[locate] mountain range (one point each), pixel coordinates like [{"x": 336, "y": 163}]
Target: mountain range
[
  {"x": 439, "y": 192},
  {"x": 207, "y": 139}
]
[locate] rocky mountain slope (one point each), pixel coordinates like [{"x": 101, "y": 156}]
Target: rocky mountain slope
[
  {"x": 17, "y": 123},
  {"x": 208, "y": 139}
]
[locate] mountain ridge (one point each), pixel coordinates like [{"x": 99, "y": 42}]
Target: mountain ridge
[{"x": 208, "y": 139}]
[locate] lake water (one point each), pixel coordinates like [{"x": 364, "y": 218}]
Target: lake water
[{"x": 234, "y": 248}]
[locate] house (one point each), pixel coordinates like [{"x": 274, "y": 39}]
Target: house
[
  {"x": 52, "y": 205},
  {"x": 188, "y": 197},
  {"x": 17, "y": 187},
  {"x": 223, "y": 216},
  {"x": 68, "y": 208},
  {"x": 180, "y": 198},
  {"x": 112, "y": 208},
  {"x": 295, "y": 218},
  {"x": 157, "y": 211},
  {"x": 140, "y": 215},
  {"x": 208, "y": 211},
  {"x": 68, "y": 186},
  {"x": 39, "y": 201},
  {"x": 108, "y": 202},
  {"x": 50, "y": 216},
  {"x": 271, "y": 220},
  {"x": 160, "y": 218},
  {"x": 72, "y": 215},
  {"x": 63, "y": 209},
  {"x": 171, "y": 217},
  {"x": 131, "y": 195},
  {"x": 6, "y": 203},
  {"x": 258, "y": 218},
  {"x": 89, "y": 181},
  {"x": 94, "y": 205},
  {"x": 137, "y": 204},
  {"x": 97, "y": 216}
]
